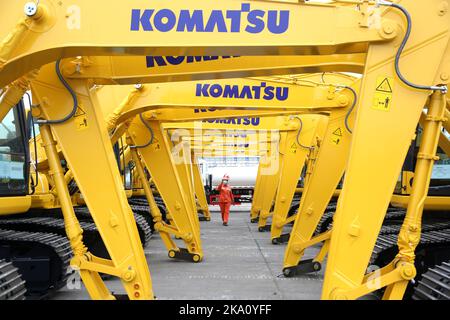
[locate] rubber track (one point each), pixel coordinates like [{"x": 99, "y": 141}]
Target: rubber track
[
  {"x": 60, "y": 246},
  {"x": 392, "y": 216},
  {"x": 141, "y": 205},
  {"x": 432, "y": 234},
  {"x": 144, "y": 212},
  {"x": 12, "y": 287},
  {"x": 326, "y": 220},
  {"x": 145, "y": 231},
  {"x": 435, "y": 284},
  {"x": 51, "y": 224}
]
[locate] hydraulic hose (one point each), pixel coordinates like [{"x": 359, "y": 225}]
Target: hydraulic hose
[
  {"x": 72, "y": 93},
  {"x": 405, "y": 12},
  {"x": 152, "y": 135}
]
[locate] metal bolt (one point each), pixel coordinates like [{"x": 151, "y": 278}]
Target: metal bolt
[
  {"x": 128, "y": 275},
  {"x": 30, "y": 9},
  {"x": 343, "y": 100},
  {"x": 443, "y": 8},
  {"x": 388, "y": 29},
  {"x": 297, "y": 249},
  {"x": 408, "y": 271},
  {"x": 354, "y": 230},
  {"x": 113, "y": 222}
]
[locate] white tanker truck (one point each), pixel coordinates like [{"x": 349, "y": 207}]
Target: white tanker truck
[{"x": 242, "y": 178}]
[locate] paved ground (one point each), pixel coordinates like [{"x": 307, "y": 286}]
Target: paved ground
[{"x": 239, "y": 263}]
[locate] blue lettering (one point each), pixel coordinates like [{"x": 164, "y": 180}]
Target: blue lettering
[
  {"x": 282, "y": 93},
  {"x": 202, "y": 90},
  {"x": 246, "y": 93},
  {"x": 255, "y": 18},
  {"x": 165, "y": 20},
  {"x": 137, "y": 20},
  {"x": 268, "y": 93},
  {"x": 190, "y": 23},
  {"x": 231, "y": 92},
  {"x": 175, "y": 60},
  {"x": 216, "y": 91},
  {"x": 200, "y": 58},
  {"x": 216, "y": 19},
  {"x": 275, "y": 25},
  {"x": 235, "y": 17},
  {"x": 257, "y": 92},
  {"x": 159, "y": 61},
  {"x": 236, "y": 121}
]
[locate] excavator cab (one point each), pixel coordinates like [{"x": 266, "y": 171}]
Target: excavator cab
[
  {"x": 14, "y": 174},
  {"x": 33, "y": 262},
  {"x": 440, "y": 177},
  {"x": 14, "y": 153}
]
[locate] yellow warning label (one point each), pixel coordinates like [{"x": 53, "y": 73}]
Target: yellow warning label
[
  {"x": 294, "y": 148},
  {"x": 337, "y": 136},
  {"x": 80, "y": 119},
  {"x": 338, "y": 132},
  {"x": 79, "y": 112},
  {"x": 382, "y": 99}
]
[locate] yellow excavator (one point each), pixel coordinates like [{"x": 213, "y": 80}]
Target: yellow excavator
[
  {"x": 41, "y": 162},
  {"x": 370, "y": 27}
]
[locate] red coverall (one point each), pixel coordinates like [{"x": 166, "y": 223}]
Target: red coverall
[{"x": 225, "y": 199}]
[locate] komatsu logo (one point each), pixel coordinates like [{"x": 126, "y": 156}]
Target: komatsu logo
[
  {"x": 245, "y": 121},
  {"x": 260, "y": 92},
  {"x": 226, "y": 21},
  {"x": 158, "y": 61}
]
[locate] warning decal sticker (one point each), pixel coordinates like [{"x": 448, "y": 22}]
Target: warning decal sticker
[
  {"x": 337, "y": 136},
  {"x": 80, "y": 119},
  {"x": 294, "y": 148},
  {"x": 382, "y": 99}
]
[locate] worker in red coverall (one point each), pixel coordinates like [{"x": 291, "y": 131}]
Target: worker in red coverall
[{"x": 225, "y": 198}]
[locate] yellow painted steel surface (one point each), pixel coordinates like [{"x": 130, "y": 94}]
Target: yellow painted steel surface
[
  {"x": 383, "y": 129},
  {"x": 13, "y": 205},
  {"x": 61, "y": 30},
  {"x": 296, "y": 152},
  {"x": 113, "y": 216},
  {"x": 431, "y": 202}
]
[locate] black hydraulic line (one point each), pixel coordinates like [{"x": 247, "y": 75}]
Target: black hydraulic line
[
  {"x": 72, "y": 93},
  {"x": 152, "y": 135},
  {"x": 402, "y": 47},
  {"x": 34, "y": 184},
  {"x": 355, "y": 101},
  {"x": 298, "y": 135}
]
